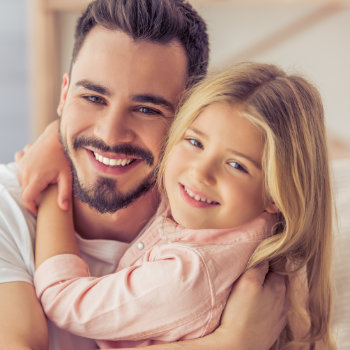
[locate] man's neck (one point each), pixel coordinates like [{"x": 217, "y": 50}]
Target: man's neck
[{"x": 123, "y": 225}]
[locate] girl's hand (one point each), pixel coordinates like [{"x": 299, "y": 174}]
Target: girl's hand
[{"x": 42, "y": 164}]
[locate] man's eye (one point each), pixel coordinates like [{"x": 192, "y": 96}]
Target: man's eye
[
  {"x": 194, "y": 142},
  {"x": 95, "y": 99},
  {"x": 149, "y": 111},
  {"x": 238, "y": 166}
]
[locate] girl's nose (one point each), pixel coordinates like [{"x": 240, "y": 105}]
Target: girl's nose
[{"x": 203, "y": 170}]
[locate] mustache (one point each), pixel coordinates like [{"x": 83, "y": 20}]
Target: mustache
[{"x": 122, "y": 148}]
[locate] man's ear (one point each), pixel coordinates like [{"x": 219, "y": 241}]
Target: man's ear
[
  {"x": 271, "y": 208},
  {"x": 64, "y": 92}
]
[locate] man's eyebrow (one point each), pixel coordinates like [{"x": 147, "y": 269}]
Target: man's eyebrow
[
  {"x": 89, "y": 85},
  {"x": 154, "y": 99}
]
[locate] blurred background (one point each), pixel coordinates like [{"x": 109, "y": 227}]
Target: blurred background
[
  {"x": 14, "y": 83},
  {"x": 310, "y": 37}
]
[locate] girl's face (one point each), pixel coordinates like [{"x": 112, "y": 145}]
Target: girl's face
[{"x": 213, "y": 178}]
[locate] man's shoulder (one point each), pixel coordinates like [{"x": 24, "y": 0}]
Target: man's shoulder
[
  {"x": 17, "y": 229},
  {"x": 11, "y": 204},
  {"x": 8, "y": 177},
  {"x": 10, "y": 189}
]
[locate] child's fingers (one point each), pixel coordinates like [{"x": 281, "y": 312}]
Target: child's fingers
[
  {"x": 64, "y": 191},
  {"x": 31, "y": 193},
  {"x": 18, "y": 156},
  {"x": 28, "y": 202},
  {"x": 27, "y": 147}
]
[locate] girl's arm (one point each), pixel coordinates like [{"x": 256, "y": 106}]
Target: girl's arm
[
  {"x": 36, "y": 171},
  {"x": 259, "y": 298},
  {"x": 105, "y": 307},
  {"x": 55, "y": 229},
  {"x": 259, "y": 301}
]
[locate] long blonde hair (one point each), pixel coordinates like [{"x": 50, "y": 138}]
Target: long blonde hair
[{"x": 289, "y": 112}]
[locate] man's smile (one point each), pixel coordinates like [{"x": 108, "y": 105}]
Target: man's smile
[{"x": 112, "y": 161}]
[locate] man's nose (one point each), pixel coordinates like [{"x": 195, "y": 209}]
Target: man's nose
[{"x": 115, "y": 126}]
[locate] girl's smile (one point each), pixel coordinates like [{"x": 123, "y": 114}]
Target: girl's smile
[{"x": 195, "y": 198}]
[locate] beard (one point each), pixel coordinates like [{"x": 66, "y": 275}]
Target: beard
[{"x": 103, "y": 194}]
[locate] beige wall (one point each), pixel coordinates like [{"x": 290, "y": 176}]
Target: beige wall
[
  {"x": 307, "y": 37},
  {"x": 313, "y": 40}
]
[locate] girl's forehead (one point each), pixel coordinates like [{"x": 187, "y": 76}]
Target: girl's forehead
[
  {"x": 227, "y": 122},
  {"x": 215, "y": 112}
]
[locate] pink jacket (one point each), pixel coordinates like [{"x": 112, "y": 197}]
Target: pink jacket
[{"x": 171, "y": 284}]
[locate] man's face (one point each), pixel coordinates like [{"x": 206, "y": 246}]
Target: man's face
[{"x": 116, "y": 108}]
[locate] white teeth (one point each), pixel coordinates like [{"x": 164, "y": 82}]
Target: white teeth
[
  {"x": 112, "y": 162},
  {"x": 196, "y": 197}
]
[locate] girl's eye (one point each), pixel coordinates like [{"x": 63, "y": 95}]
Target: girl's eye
[
  {"x": 195, "y": 142},
  {"x": 95, "y": 99},
  {"x": 238, "y": 166}
]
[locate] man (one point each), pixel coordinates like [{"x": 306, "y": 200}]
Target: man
[{"x": 131, "y": 62}]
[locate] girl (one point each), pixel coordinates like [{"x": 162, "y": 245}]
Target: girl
[{"x": 244, "y": 180}]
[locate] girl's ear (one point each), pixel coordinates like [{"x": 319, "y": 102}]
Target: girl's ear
[
  {"x": 64, "y": 92},
  {"x": 271, "y": 208}
]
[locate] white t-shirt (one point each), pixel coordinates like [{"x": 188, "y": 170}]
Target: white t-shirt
[{"x": 17, "y": 234}]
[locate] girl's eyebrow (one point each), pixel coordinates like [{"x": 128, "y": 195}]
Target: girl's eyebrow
[
  {"x": 198, "y": 132},
  {"x": 250, "y": 159}
]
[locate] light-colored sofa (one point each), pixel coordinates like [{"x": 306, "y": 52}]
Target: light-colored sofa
[{"x": 341, "y": 257}]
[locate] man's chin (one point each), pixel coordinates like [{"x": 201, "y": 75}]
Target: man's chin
[
  {"x": 103, "y": 194},
  {"x": 105, "y": 198}
]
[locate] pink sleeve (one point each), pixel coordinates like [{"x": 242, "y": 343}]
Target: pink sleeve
[{"x": 168, "y": 293}]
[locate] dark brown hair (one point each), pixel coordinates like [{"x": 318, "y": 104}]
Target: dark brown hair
[{"x": 160, "y": 21}]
